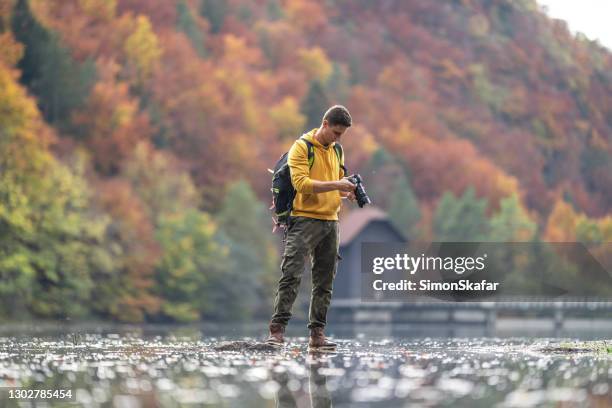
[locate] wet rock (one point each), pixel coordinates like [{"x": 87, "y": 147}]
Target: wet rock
[
  {"x": 244, "y": 346},
  {"x": 599, "y": 347},
  {"x": 565, "y": 350}
]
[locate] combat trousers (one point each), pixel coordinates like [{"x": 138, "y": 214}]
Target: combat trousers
[{"x": 319, "y": 239}]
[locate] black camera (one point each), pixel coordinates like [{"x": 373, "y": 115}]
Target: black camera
[{"x": 360, "y": 193}]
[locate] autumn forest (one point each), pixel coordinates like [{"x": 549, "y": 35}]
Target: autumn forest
[{"x": 135, "y": 138}]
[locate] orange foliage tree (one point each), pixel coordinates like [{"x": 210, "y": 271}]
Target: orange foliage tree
[{"x": 110, "y": 123}]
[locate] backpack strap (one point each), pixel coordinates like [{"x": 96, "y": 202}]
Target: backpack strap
[
  {"x": 310, "y": 148},
  {"x": 337, "y": 149},
  {"x": 340, "y": 154}
]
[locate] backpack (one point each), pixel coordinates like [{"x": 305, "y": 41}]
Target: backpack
[{"x": 282, "y": 189}]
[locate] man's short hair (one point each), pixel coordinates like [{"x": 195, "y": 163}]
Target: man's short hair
[{"x": 338, "y": 115}]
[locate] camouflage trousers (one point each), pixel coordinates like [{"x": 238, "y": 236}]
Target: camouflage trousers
[{"x": 319, "y": 239}]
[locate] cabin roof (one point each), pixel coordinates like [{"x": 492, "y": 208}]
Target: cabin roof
[{"x": 357, "y": 220}]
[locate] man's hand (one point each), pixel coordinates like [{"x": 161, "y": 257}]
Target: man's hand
[
  {"x": 346, "y": 185},
  {"x": 350, "y": 196},
  {"x": 343, "y": 185}
]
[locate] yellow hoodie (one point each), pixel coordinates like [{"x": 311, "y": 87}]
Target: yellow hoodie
[{"x": 325, "y": 167}]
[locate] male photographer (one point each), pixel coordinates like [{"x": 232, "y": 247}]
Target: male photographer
[{"x": 313, "y": 226}]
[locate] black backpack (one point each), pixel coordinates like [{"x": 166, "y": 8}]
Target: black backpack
[{"x": 283, "y": 192}]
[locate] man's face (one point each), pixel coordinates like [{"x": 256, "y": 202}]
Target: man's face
[{"x": 332, "y": 134}]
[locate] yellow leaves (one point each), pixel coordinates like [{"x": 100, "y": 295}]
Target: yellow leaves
[
  {"x": 123, "y": 114},
  {"x": 10, "y": 50},
  {"x": 18, "y": 112},
  {"x": 159, "y": 182},
  {"x": 237, "y": 53},
  {"x": 102, "y": 9},
  {"x": 606, "y": 228},
  {"x": 240, "y": 87},
  {"x": 18, "y": 261},
  {"x": 23, "y": 138},
  {"x": 241, "y": 96},
  {"x": 13, "y": 208},
  {"x": 315, "y": 63},
  {"x": 251, "y": 119},
  {"x": 504, "y": 184},
  {"x": 142, "y": 49},
  {"x": 359, "y": 145},
  {"x": 287, "y": 118},
  {"x": 566, "y": 225},
  {"x": 561, "y": 225},
  {"x": 369, "y": 143},
  {"x": 236, "y": 78},
  {"x": 388, "y": 78},
  {"x": 407, "y": 133},
  {"x": 208, "y": 95},
  {"x": 34, "y": 184},
  {"x": 588, "y": 229}
]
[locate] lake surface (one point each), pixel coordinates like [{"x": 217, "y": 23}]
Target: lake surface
[{"x": 180, "y": 368}]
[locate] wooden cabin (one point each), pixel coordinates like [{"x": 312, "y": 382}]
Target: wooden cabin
[{"x": 368, "y": 224}]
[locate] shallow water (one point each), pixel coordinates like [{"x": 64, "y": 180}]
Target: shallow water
[{"x": 181, "y": 368}]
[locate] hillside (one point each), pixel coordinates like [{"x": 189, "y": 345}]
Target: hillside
[
  {"x": 495, "y": 81},
  {"x": 153, "y": 111}
]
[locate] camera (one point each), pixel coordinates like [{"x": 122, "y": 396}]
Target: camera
[{"x": 360, "y": 193}]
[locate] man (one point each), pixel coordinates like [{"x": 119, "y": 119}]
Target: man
[{"x": 313, "y": 226}]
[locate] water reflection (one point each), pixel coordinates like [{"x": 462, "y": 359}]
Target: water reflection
[
  {"x": 290, "y": 389},
  {"x": 320, "y": 396},
  {"x": 284, "y": 395}
]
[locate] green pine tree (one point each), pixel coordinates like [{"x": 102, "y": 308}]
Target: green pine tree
[
  {"x": 192, "y": 262},
  {"x": 274, "y": 10},
  {"x": 511, "y": 223},
  {"x": 48, "y": 70},
  {"x": 461, "y": 219},
  {"x": 187, "y": 24},
  {"x": 338, "y": 84},
  {"x": 404, "y": 208},
  {"x": 245, "y": 224},
  {"x": 382, "y": 173},
  {"x": 314, "y": 104},
  {"x": 214, "y": 11}
]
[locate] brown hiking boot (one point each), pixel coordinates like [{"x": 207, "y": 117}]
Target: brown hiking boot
[
  {"x": 276, "y": 335},
  {"x": 318, "y": 342}
]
